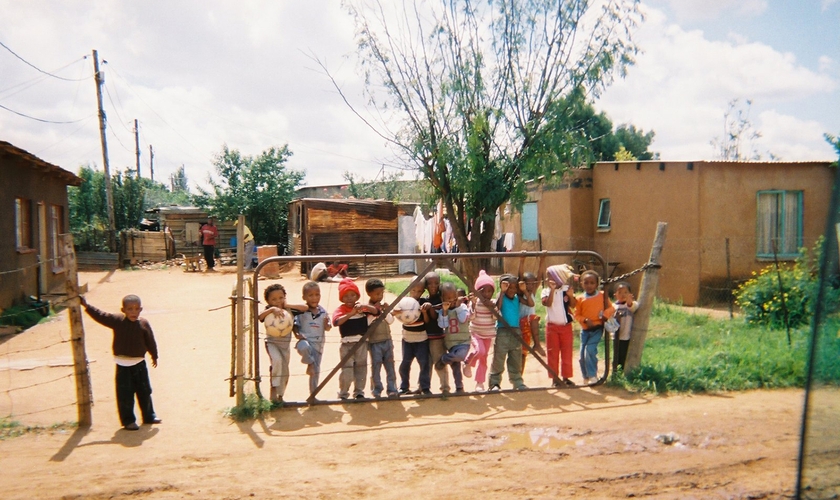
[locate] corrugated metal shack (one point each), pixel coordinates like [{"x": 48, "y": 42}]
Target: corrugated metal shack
[
  {"x": 344, "y": 227},
  {"x": 178, "y": 235}
]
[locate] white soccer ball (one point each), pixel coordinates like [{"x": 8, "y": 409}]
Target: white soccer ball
[
  {"x": 277, "y": 326},
  {"x": 407, "y": 310}
]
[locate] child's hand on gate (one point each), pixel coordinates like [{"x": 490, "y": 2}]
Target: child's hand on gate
[
  {"x": 552, "y": 285},
  {"x": 503, "y": 286}
]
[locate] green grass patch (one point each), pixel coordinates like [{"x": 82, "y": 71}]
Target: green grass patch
[
  {"x": 694, "y": 353},
  {"x": 397, "y": 287},
  {"x": 252, "y": 408},
  {"x": 12, "y": 428},
  {"x": 24, "y": 316}
]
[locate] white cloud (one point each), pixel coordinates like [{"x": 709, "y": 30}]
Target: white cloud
[
  {"x": 703, "y": 10},
  {"x": 825, "y": 63},
  {"x": 827, "y": 3},
  {"x": 681, "y": 85}
]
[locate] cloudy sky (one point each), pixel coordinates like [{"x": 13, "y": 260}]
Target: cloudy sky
[{"x": 200, "y": 74}]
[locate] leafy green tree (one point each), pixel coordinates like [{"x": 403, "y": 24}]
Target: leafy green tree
[
  {"x": 477, "y": 92},
  {"x": 132, "y": 197},
  {"x": 260, "y": 188},
  {"x": 178, "y": 181}
]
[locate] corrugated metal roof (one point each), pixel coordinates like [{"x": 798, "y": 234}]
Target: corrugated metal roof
[{"x": 69, "y": 178}]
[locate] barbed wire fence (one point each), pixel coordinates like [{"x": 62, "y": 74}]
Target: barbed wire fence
[{"x": 38, "y": 373}]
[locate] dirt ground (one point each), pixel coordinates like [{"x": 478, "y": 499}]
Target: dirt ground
[{"x": 586, "y": 442}]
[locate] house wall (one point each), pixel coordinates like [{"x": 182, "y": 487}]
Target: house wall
[
  {"x": 21, "y": 179},
  {"x": 704, "y": 203},
  {"x": 641, "y": 195},
  {"x": 728, "y": 204}
]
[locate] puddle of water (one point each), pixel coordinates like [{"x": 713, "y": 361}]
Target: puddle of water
[{"x": 535, "y": 439}]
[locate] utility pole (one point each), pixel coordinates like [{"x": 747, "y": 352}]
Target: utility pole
[
  {"x": 151, "y": 163},
  {"x": 137, "y": 146},
  {"x": 109, "y": 194}
]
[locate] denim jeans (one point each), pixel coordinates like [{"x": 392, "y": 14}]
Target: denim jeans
[
  {"x": 453, "y": 358},
  {"x": 382, "y": 353},
  {"x": 589, "y": 340},
  {"x": 437, "y": 349},
  {"x": 420, "y": 352}
]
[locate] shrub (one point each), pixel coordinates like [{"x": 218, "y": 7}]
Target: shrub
[{"x": 761, "y": 297}]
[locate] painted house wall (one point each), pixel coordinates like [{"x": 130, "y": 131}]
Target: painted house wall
[
  {"x": 25, "y": 176},
  {"x": 704, "y": 203}
]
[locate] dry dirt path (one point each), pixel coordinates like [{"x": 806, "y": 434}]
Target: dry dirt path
[{"x": 588, "y": 443}]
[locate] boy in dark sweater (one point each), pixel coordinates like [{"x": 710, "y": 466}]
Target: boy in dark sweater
[{"x": 133, "y": 338}]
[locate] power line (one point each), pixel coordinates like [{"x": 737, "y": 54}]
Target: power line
[
  {"x": 42, "y": 120},
  {"x": 39, "y": 69}
]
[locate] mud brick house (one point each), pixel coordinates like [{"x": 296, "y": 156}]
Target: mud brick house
[
  {"x": 320, "y": 226},
  {"x": 34, "y": 212},
  {"x": 725, "y": 219}
]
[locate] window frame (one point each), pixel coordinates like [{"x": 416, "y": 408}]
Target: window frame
[
  {"x": 23, "y": 225},
  {"x": 533, "y": 229},
  {"x": 56, "y": 224},
  {"x": 781, "y": 216},
  {"x": 601, "y": 225}
]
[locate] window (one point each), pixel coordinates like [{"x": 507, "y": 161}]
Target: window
[
  {"x": 23, "y": 224},
  {"x": 529, "y": 222},
  {"x": 779, "y": 224},
  {"x": 604, "y": 214},
  {"x": 56, "y": 226}
]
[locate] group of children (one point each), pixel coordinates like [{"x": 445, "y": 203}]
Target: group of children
[{"x": 453, "y": 332}]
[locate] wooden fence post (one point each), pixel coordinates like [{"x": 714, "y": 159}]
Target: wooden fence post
[
  {"x": 240, "y": 312},
  {"x": 77, "y": 334},
  {"x": 647, "y": 292}
]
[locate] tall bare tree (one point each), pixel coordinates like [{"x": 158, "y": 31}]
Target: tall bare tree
[{"x": 476, "y": 94}]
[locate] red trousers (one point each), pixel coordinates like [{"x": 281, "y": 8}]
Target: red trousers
[{"x": 558, "y": 347}]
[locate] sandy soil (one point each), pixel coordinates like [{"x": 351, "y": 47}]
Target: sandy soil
[{"x": 588, "y": 442}]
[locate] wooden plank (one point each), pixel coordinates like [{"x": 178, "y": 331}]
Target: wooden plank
[{"x": 77, "y": 335}]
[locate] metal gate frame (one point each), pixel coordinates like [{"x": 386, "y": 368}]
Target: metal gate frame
[{"x": 437, "y": 261}]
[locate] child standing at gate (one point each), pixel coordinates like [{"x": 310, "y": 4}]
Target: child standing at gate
[
  {"x": 380, "y": 345},
  {"x": 482, "y": 329},
  {"x": 436, "y": 345},
  {"x": 133, "y": 338},
  {"x": 351, "y": 319},
  {"x": 278, "y": 328},
  {"x": 559, "y": 301},
  {"x": 453, "y": 319},
  {"x": 529, "y": 322},
  {"x": 311, "y": 325},
  {"x": 415, "y": 346},
  {"x": 508, "y": 345},
  {"x": 625, "y": 307},
  {"x": 591, "y": 310}
]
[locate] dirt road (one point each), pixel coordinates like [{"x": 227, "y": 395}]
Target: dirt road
[{"x": 588, "y": 443}]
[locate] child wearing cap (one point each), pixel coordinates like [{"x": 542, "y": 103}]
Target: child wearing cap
[
  {"x": 508, "y": 345},
  {"x": 351, "y": 319},
  {"x": 482, "y": 329},
  {"x": 559, "y": 301}
]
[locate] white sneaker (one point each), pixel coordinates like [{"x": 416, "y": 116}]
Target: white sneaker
[
  {"x": 467, "y": 370},
  {"x": 479, "y": 387}
]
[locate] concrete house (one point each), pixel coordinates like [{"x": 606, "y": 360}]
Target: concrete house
[
  {"x": 725, "y": 219},
  {"x": 33, "y": 214}
]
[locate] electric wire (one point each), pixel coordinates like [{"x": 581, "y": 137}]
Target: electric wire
[
  {"x": 41, "y": 119},
  {"x": 42, "y": 71}
]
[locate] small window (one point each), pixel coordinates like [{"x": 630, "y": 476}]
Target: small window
[
  {"x": 604, "y": 214},
  {"x": 56, "y": 226},
  {"x": 530, "y": 231},
  {"x": 779, "y": 224},
  {"x": 23, "y": 224}
]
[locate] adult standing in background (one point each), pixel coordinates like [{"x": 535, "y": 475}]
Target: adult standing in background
[
  {"x": 209, "y": 232},
  {"x": 248, "y": 242}
]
